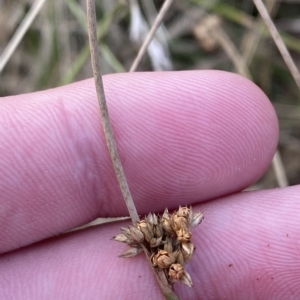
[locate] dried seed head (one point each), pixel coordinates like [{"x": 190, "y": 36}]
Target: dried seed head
[
  {"x": 154, "y": 226},
  {"x": 157, "y": 230},
  {"x": 155, "y": 242},
  {"x": 152, "y": 219},
  {"x": 162, "y": 259},
  {"x": 179, "y": 221},
  {"x": 188, "y": 251},
  {"x": 196, "y": 219},
  {"x": 136, "y": 234},
  {"x": 144, "y": 227},
  {"x": 184, "y": 235},
  {"x": 168, "y": 240},
  {"x": 176, "y": 272},
  {"x": 131, "y": 252},
  {"x": 185, "y": 212},
  {"x": 166, "y": 222},
  {"x": 126, "y": 232},
  {"x": 166, "y": 214}
]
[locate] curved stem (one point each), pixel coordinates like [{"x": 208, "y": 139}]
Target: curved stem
[
  {"x": 166, "y": 288},
  {"x": 108, "y": 132}
]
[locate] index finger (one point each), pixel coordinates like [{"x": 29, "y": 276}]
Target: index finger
[{"x": 183, "y": 137}]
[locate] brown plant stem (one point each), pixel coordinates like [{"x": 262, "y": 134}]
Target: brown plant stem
[
  {"x": 108, "y": 132},
  {"x": 111, "y": 144}
]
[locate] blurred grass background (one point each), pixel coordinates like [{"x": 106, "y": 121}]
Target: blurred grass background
[{"x": 196, "y": 34}]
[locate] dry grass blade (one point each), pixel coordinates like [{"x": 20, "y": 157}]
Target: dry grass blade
[
  {"x": 19, "y": 34},
  {"x": 150, "y": 12},
  {"x": 151, "y": 34},
  {"x": 278, "y": 41}
]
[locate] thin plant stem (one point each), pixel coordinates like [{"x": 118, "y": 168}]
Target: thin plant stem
[
  {"x": 151, "y": 34},
  {"x": 278, "y": 41},
  {"x": 108, "y": 132},
  {"x": 19, "y": 34},
  {"x": 279, "y": 170},
  {"x": 166, "y": 289}
]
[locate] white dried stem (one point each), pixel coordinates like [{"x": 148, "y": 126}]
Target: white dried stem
[
  {"x": 151, "y": 34},
  {"x": 158, "y": 50}
]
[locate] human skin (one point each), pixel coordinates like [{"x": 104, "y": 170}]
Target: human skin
[{"x": 185, "y": 138}]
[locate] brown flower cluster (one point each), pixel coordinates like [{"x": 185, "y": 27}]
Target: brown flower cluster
[{"x": 168, "y": 240}]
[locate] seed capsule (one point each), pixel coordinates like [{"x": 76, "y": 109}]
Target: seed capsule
[
  {"x": 184, "y": 235},
  {"x": 176, "y": 272},
  {"x": 185, "y": 212},
  {"x": 144, "y": 227},
  {"x": 162, "y": 259},
  {"x": 166, "y": 222},
  {"x": 179, "y": 222}
]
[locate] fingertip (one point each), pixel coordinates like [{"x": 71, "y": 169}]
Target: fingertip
[
  {"x": 183, "y": 137},
  {"x": 194, "y": 136}
]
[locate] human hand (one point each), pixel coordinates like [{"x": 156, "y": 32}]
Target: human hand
[{"x": 184, "y": 138}]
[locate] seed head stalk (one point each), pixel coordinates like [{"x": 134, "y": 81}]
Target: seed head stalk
[{"x": 167, "y": 289}]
